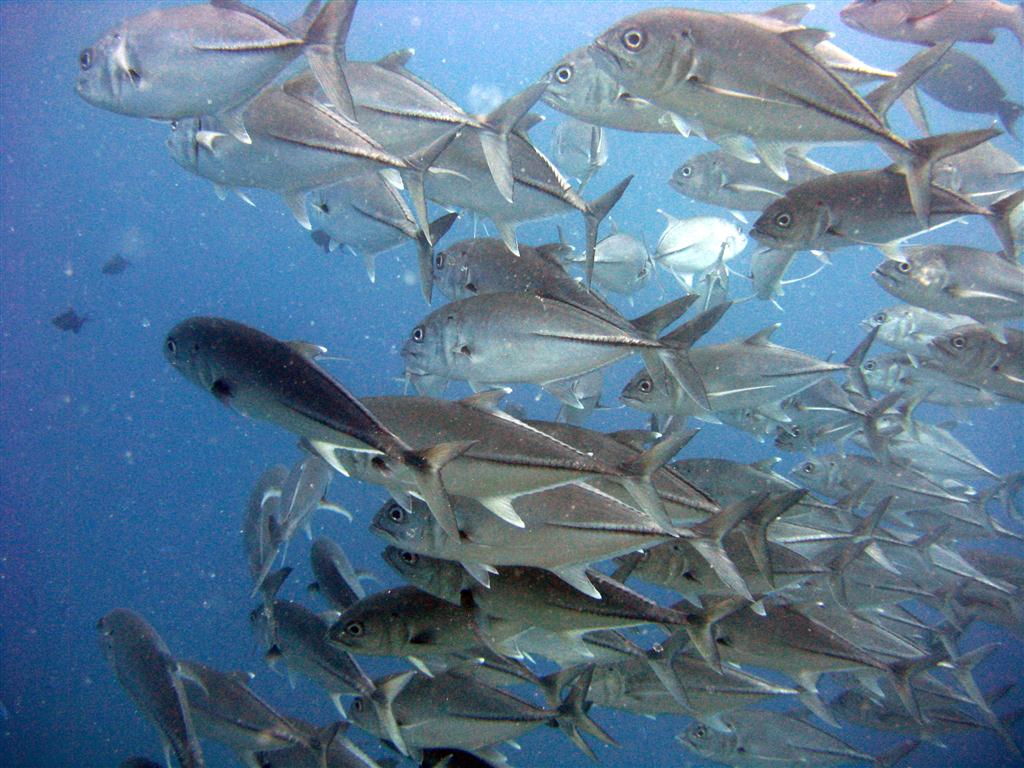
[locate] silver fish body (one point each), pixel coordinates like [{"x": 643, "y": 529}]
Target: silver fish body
[
  {"x": 930, "y": 22},
  {"x": 146, "y": 670}
]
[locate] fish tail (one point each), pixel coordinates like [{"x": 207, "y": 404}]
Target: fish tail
[
  {"x": 573, "y": 716},
  {"x": 325, "y": 51},
  {"x": 594, "y": 214},
  {"x": 901, "y": 674},
  {"x": 321, "y": 742},
  {"x": 1002, "y": 210},
  {"x": 928, "y": 151},
  {"x": 425, "y": 252},
  {"x": 676, "y": 345},
  {"x": 1009, "y": 112},
  {"x": 414, "y": 176},
  {"x": 501, "y": 123},
  {"x": 427, "y": 465}
]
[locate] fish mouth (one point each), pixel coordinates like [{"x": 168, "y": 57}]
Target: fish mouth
[
  {"x": 606, "y": 59},
  {"x": 763, "y": 237},
  {"x": 883, "y": 278}
]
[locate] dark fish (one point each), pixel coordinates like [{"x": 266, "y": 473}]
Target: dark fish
[
  {"x": 280, "y": 382},
  {"x": 962, "y": 83},
  {"x": 149, "y": 674},
  {"x": 70, "y": 321},
  {"x": 115, "y": 265}
]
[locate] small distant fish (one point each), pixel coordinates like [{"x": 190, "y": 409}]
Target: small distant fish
[
  {"x": 70, "y": 321},
  {"x": 932, "y": 21},
  {"x": 962, "y": 83},
  {"x": 116, "y": 265},
  {"x": 579, "y": 149}
]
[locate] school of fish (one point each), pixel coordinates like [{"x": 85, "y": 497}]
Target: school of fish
[{"x": 525, "y": 545}]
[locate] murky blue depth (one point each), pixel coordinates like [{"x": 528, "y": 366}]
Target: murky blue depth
[{"x": 122, "y": 485}]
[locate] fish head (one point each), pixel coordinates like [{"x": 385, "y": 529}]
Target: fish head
[
  {"x": 879, "y": 319},
  {"x": 698, "y": 175},
  {"x": 707, "y": 741},
  {"x": 654, "y": 50},
  {"x": 576, "y": 84},
  {"x": 912, "y": 275},
  {"x": 443, "y": 578},
  {"x": 817, "y": 473},
  {"x": 874, "y": 17},
  {"x": 792, "y": 225},
  {"x": 968, "y": 347},
  {"x": 109, "y": 77},
  {"x": 362, "y": 715},
  {"x": 114, "y": 628},
  {"x": 793, "y": 437},
  {"x": 881, "y": 373},
  {"x": 183, "y": 144},
  {"x": 369, "y": 627},
  {"x": 405, "y": 527},
  {"x": 649, "y": 392},
  {"x": 451, "y": 270},
  {"x": 198, "y": 348},
  {"x": 426, "y": 350}
]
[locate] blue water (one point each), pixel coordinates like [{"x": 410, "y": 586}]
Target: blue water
[{"x": 122, "y": 485}]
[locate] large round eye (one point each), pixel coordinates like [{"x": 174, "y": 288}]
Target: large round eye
[
  {"x": 439, "y": 261},
  {"x": 686, "y": 171},
  {"x": 563, "y": 74},
  {"x": 783, "y": 220},
  {"x": 645, "y": 385},
  {"x": 85, "y": 59},
  {"x": 417, "y": 334},
  {"x": 808, "y": 468},
  {"x": 958, "y": 342},
  {"x": 409, "y": 557},
  {"x": 357, "y": 705},
  {"x": 869, "y": 365},
  {"x": 172, "y": 346},
  {"x": 396, "y": 513},
  {"x": 700, "y": 731},
  {"x": 354, "y": 628},
  {"x": 795, "y": 431},
  {"x": 880, "y": 318},
  {"x": 903, "y": 266},
  {"x": 633, "y": 39},
  {"x": 174, "y": 126}
]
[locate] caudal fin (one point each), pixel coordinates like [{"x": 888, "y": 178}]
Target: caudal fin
[
  {"x": 425, "y": 251},
  {"x": 325, "y": 51},
  {"x": 595, "y": 213}
]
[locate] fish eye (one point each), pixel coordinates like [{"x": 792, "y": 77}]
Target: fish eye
[
  {"x": 958, "y": 342},
  {"x": 880, "y": 318},
  {"x": 700, "y": 731},
  {"x": 439, "y": 261},
  {"x": 409, "y": 557},
  {"x": 633, "y": 39},
  {"x": 172, "y": 346},
  {"x": 795, "y": 431},
  {"x": 85, "y": 59},
  {"x": 354, "y": 628},
  {"x": 417, "y": 334},
  {"x": 686, "y": 171},
  {"x": 357, "y": 705},
  {"x": 563, "y": 74},
  {"x": 645, "y": 385},
  {"x": 903, "y": 266},
  {"x": 869, "y": 365},
  {"x": 783, "y": 220},
  {"x": 808, "y": 468},
  {"x": 396, "y": 513}
]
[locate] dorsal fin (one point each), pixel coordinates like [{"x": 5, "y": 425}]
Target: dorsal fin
[
  {"x": 307, "y": 349},
  {"x": 763, "y": 337},
  {"x": 793, "y": 13},
  {"x": 806, "y": 38},
  {"x": 396, "y": 60},
  {"x": 488, "y": 400}
]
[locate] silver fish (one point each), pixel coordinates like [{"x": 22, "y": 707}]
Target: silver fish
[
  {"x": 579, "y": 149},
  {"x": 974, "y": 355},
  {"x": 622, "y": 264},
  {"x": 688, "y": 247},
  {"x": 955, "y": 279},
  {"x": 910, "y": 329},
  {"x": 149, "y": 674},
  {"x": 933, "y": 21},
  {"x": 204, "y": 59}
]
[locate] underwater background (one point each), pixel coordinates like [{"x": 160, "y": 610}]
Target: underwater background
[{"x": 121, "y": 485}]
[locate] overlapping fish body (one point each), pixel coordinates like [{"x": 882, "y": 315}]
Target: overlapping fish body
[
  {"x": 565, "y": 529},
  {"x": 973, "y": 354},
  {"x": 719, "y": 178},
  {"x": 910, "y": 329},
  {"x": 955, "y": 279},
  {"x": 632, "y": 685},
  {"x": 751, "y": 373}
]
